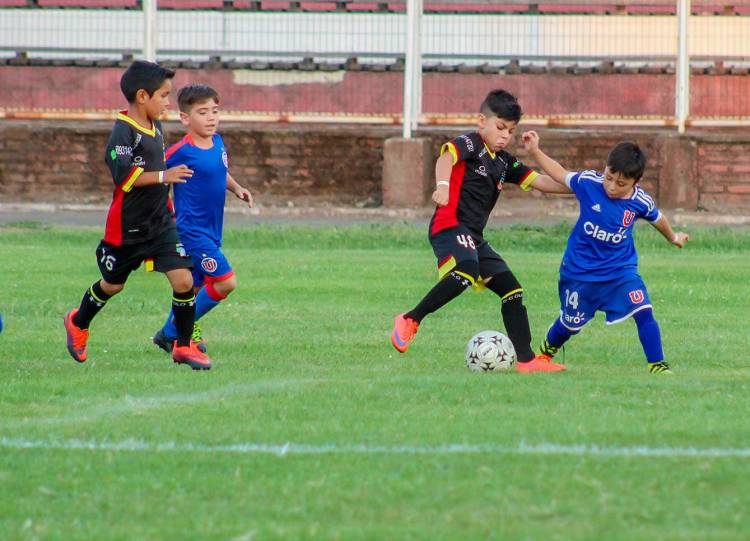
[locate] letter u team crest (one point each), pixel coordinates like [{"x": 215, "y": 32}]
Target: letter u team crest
[
  {"x": 628, "y": 218},
  {"x": 209, "y": 264},
  {"x": 636, "y": 297}
]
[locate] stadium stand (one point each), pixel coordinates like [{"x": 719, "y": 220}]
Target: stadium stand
[{"x": 656, "y": 7}]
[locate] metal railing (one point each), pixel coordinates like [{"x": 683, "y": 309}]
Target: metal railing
[{"x": 415, "y": 62}]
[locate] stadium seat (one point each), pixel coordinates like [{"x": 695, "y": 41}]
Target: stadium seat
[
  {"x": 87, "y": 3},
  {"x": 190, "y": 4}
]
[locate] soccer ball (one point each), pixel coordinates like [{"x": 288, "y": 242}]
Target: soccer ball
[{"x": 490, "y": 351}]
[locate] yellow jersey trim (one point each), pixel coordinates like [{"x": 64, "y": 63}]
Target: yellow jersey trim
[
  {"x": 526, "y": 183},
  {"x": 134, "y": 174},
  {"x": 450, "y": 147},
  {"x": 492, "y": 154},
  {"x": 125, "y": 118}
]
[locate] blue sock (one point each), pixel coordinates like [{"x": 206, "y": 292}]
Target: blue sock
[
  {"x": 558, "y": 334},
  {"x": 169, "y": 330},
  {"x": 650, "y": 335},
  {"x": 206, "y": 299}
]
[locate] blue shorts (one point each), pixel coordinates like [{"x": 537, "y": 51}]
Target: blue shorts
[
  {"x": 618, "y": 299},
  {"x": 209, "y": 265}
]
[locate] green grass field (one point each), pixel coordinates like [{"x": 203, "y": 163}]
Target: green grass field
[{"x": 310, "y": 426}]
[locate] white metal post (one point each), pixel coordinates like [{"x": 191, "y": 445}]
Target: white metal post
[
  {"x": 682, "y": 90},
  {"x": 149, "y": 25},
  {"x": 413, "y": 67}
]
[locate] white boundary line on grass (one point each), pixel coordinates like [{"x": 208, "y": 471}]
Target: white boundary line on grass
[
  {"x": 365, "y": 449},
  {"x": 92, "y": 410}
]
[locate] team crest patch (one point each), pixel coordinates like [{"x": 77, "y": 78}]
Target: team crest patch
[
  {"x": 209, "y": 264},
  {"x": 628, "y": 218},
  {"x": 636, "y": 297}
]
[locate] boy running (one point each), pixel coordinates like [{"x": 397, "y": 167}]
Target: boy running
[
  {"x": 599, "y": 270},
  {"x": 470, "y": 174},
  {"x": 199, "y": 205},
  {"x": 139, "y": 223}
]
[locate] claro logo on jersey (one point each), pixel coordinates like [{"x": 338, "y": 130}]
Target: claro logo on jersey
[{"x": 593, "y": 230}]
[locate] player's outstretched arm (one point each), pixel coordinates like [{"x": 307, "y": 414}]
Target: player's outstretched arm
[
  {"x": 174, "y": 175},
  {"x": 241, "y": 193},
  {"x": 443, "y": 169},
  {"x": 547, "y": 184},
  {"x": 662, "y": 226},
  {"x": 556, "y": 171}
]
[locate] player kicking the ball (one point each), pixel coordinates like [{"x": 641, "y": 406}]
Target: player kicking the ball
[{"x": 470, "y": 174}]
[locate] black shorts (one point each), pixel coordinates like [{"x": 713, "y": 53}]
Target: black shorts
[
  {"x": 451, "y": 246},
  {"x": 165, "y": 252}
]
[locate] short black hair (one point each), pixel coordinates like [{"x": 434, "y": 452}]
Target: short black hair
[
  {"x": 192, "y": 94},
  {"x": 143, "y": 75},
  {"x": 501, "y": 104},
  {"x": 628, "y": 159}
]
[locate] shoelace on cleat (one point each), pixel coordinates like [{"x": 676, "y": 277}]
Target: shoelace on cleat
[
  {"x": 411, "y": 329},
  {"x": 197, "y": 335}
]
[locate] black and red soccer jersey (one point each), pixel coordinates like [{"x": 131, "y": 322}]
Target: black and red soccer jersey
[
  {"x": 476, "y": 182},
  {"x": 142, "y": 213}
]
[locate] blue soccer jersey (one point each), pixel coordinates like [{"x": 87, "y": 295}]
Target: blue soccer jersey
[
  {"x": 199, "y": 203},
  {"x": 601, "y": 247}
]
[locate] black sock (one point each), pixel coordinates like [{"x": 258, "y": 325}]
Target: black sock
[
  {"x": 516, "y": 320},
  {"x": 447, "y": 289},
  {"x": 183, "y": 307},
  {"x": 93, "y": 300}
]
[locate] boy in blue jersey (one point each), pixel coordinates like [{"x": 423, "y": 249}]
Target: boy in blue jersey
[
  {"x": 199, "y": 205},
  {"x": 599, "y": 270}
]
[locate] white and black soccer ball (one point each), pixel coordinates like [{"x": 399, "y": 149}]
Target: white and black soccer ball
[{"x": 490, "y": 351}]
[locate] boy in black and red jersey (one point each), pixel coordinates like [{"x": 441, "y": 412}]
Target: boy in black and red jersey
[
  {"x": 470, "y": 174},
  {"x": 140, "y": 226}
]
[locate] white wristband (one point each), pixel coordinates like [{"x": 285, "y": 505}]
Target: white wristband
[
  {"x": 161, "y": 177},
  {"x": 443, "y": 183}
]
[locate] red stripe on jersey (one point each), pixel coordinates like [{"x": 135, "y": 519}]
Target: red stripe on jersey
[
  {"x": 113, "y": 229},
  {"x": 174, "y": 148},
  {"x": 445, "y": 217}
]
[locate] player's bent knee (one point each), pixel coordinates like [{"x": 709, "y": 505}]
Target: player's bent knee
[
  {"x": 506, "y": 286},
  {"x": 225, "y": 287},
  {"x": 111, "y": 289},
  {"x": 180, "y": 279},
  {"x": 468, "y": 269}
]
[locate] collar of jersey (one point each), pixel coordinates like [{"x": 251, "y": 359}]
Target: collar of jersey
[
  {"x": 122, "y": 115},
  {"x": 492, "y": 154}
]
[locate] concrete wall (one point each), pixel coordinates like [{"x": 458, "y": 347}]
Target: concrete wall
[
  {"x": 581, "y": 91},
  {"x": 344, "y": 165}
]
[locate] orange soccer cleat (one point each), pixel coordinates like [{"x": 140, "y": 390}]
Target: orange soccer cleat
[
  {"x": 540, "y": 363},
  {"x": 191, "y": 356},
  {"x": 77, "y": 338},
  {"x": 404, "y": 329}
]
